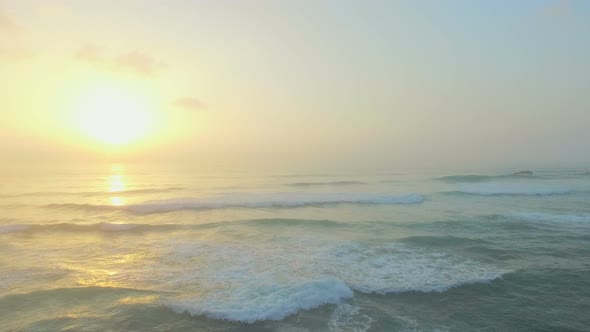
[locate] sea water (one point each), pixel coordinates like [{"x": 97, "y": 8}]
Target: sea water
[{"x": 135, "y": 248}]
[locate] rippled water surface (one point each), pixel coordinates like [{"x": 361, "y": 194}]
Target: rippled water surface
[{"x": 130, "y": 248}]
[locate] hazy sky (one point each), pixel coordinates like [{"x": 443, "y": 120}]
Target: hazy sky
[{"x": 297, "y": 84}]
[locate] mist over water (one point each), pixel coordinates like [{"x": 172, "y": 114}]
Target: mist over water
[
  {"x": 294, "y": 166},
  {"x": 132, "y": 248}
]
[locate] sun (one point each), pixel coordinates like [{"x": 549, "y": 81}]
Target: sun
[{"x": 113, "y": 115}]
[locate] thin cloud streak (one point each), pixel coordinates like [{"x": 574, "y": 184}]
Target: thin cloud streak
[
  {"x": 136, "y": 62},
  {"x": 188, "y": 103},
  {"x": 7, "y": 24}
]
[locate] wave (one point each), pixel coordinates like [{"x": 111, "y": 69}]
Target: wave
[
  {"x": 266, "y": 303},
  {"x": 464, "y": 178},
  {"x": 71, "y": 293},
  {"x": 442, "y": 241},
  {"x": 86, "y": 207},
  {"x": 69, "y": 227},
  {"x": 491, "y": 189},
  {"x": 469, "y": 178},
  {"x": 280, "y": 200},
  {"x": 272, "y": 279},
  {"x": 98, "y": 193},
  {"x": 138, "y": 228},
  {"x": 270, "y": 200},
  {"x": 331, "y": 183},
  {"x": 53, "y": 296},
  {"x": 551, "y": 217},
  {"x": 4, "y": 229},
  {"x": 282, "y": 222},
  {"x": 396, "y": 268}
]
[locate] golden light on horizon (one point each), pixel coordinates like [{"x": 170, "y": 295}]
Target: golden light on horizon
[
  {"x": 116, "y": 184},
  {"x": 117, "y": 201},
  {"x": 112, "y": 115}
]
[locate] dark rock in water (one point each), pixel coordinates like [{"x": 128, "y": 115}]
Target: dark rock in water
[{"x": 524, "y": 173}]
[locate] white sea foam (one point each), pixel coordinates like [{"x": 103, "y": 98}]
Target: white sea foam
[
  {"x": 265, "y": 302},
  {"x": 396, "y": 268},
  {"x": 347, "y": 317},
  {"x": 488, "y": 189},
  {"x": 275, "y": 278},
  {"x": 4, "y": 229},
  {"x": 271, "y": 200}
]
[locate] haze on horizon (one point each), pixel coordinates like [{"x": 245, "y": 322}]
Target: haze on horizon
[{"x": 297, "y": 84}]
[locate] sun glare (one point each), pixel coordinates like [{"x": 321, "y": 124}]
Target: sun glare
[{"x": 112, "y": 115}]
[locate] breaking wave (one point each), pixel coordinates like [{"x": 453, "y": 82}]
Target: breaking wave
[
  {"x": 134, "y": 227},
  {"x": 281, "y": 200},
  {"x": 270, "y": 281},
  {"x": 270, "y": 200},
  {"x": 265, "y": 302},
  {"x": 468, "y": 178},
  {"x": 491, "y": 189},
  {"x": 396, "y": 268}
]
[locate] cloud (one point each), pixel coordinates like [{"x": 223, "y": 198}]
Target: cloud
[
  {"x": 139, "y": 62},
  {"x": 559, "y": 9},
  {"x": 135, "y": 62},
  {"x": 188, "y": 103},
  {"x": 7, "y": 24},
  {"x": 15, "y": 44}
]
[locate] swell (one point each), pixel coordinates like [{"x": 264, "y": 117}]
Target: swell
[
  {"x": 105, "y": 227},
  {"x": 501, "y": 189},
  {"x": 64, "y": 294},
  {"x": 270, "y": 280},
  {"x": 551, "y": 217},
  {"x": 331, "y": 183},
  {"x": 299, "y": 276},
  {"x": 97, "y": 193},
  {"x": 252, "y": 201},
  {"x": 280, "y": 200},
  {"x": 97, "y": 227},
  {"x": 469, "y": 178},
  {"x": 443, "y": 241},
  {"x": 272, "y": 303}
]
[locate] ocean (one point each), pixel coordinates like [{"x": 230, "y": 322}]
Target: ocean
[{"x": 138, "y": 248}]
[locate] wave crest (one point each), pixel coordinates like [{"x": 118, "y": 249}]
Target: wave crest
[
  {"x": 252, "y": 201},
  {"x": 265, "y": 302},
  {"x": 15, "y": 228},
  {"x": 277, "y": 279},
  {"x": 69, "y": 227},
  {"x": 128, "y": 192},
  {"x": 269, "y": 201},
  {"x": 396, "y": 269},
  {"x": 331, "y": 183},
  {"x": 551, "y": 217},
  {"x": 491, "y": 189}
]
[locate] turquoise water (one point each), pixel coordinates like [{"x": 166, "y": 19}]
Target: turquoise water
[{"x": 128, "y": 248}]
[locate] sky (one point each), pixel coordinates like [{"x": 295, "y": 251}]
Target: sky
[{"x": 294, "y": 85}]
